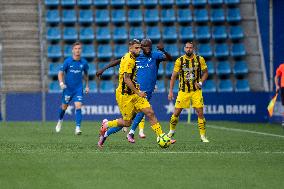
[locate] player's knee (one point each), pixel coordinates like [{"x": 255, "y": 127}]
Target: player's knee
[
  {"x": 150, "y": 113},
  {"x": 127, "y": 123}
]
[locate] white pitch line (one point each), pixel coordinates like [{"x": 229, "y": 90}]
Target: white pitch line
[{"x": 244, "y": 131}]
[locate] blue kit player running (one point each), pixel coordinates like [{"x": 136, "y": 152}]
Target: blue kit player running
[
  {"x": 72, "y": 86},
  {"x": 147, "y": 64}
]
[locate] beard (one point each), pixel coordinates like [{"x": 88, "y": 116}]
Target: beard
[{"x": 189, "y": 54}]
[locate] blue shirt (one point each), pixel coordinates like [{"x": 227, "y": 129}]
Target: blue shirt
[
  {"x": 73, "y": 70},
  {"x": 147, "y": 70}
]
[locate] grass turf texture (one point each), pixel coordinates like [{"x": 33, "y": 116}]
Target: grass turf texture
[{"x": 32, "y": 155}]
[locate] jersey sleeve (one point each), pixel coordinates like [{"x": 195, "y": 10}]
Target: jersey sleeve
[
  {"x": 128, "y": 64},
  {"x": 279, "y": 71},
  {"x": 202, "y": 63},
  {"x": 64, "y": 67},
  {"x": 177, "y": 66},
  {"x": 160, "y": 56}
]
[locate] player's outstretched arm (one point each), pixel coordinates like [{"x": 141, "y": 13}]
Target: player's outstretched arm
[
  {"x": 129, "y": 83},
  {"x": 161, "y": 47},
  {"x": 110, "y": 65},
  {"x": 172, "y": 84}
]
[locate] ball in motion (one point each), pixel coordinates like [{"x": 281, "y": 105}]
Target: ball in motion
[{"x": 163, "y": 140}]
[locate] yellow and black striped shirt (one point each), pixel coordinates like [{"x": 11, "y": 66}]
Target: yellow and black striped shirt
[
  {"x": 127, "y": 65},
  {"x": 190, "y": 70}
]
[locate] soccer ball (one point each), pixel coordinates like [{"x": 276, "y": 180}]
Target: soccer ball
[{"x": 163, "y": 140}]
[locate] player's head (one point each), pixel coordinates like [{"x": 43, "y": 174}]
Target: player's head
[
  {"x": 76, "y": 50},
  {"x": 134, "y": 47},
  {"x": 189, "y": 48},
  {"x": 146, "y": 45}
]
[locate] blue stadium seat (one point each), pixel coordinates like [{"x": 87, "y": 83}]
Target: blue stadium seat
[
  {"x": 199, "y": 3},
  {"x": 68, "y": 3},
  {"x": 86, "y": 16},
  {"x": 186, "y": 33},
  {"x": 54, "y": 87},
  {"x": 85, "y": 3},
  {"x": 120, "y": 50},
  {"x": 223, "y": 68},
  {"x": 203, "y": 33},
  {"x": 160, "y": 86},
  {"x": 172, "y": 49},
  {"x": 183, "y": 3},
  {"x": 232, "y": 2},
  {"x": 108, "y": 73},
  {"x": 150, "y": 3},
  {"x": 161, "y": 70},
  {"x": 210, "y": 67},
  {"x": 104, "y": 51},
  {"x": 70, "y": 34},
  {"x": 54, "y": 69},
  {"x": 242, "y": 85},
  {"x": 101, "y": 3},
  {"x": 166, "y": 3},
  {"x": 51, "y": 3},
  {"x": 219, "y": 33},
  {"x": 54, "y": 51},
  {"x": 67, "y": 50},
  {"x": 69, "y": 16},
  {"x": 240, "y": 68},
  {"x": 135, "y": 16},
  {"x": 93, "y": 86},
  {"x": 169, "y": 68},
  {"x": 92, "y": 69},
  {"x": 136, "y": 32},
  {"x": 120, "y": 34},
  {"x": 221, "y": 50},
  {"x": 200, "y": 15},
  {"x": 238, "y": 50},
  {"x": 117, "y": 3},
  {"x": 151, "y": 16},
  {"x": 205, "y": 50},
  {"x": 209, "y": 86},
  {"x": 87, "y": 34},
  {"x": 134, "y": 3},
  {"x": 153, "y": 33},
  {"x": 88, "y": 51},
  {"x": 107, "y": 86},
  {"x": 103, "y": 34},
  {"x": 225, "y": 85},
  {"x": 118, "y": 16},
  {"x": 217, "y": 15},
  {"x": 53, "y": 34},
  {"x": 168, "y": 16},
  {"x": 214, "y": 3},
  {"x": 184, "y": 16},
  {"x": 169, "y": 33},
  {"x": 236, "y": 33},
  {"x": 233, "y": 15},
  {"x": 102, "y": 16},
  {"x": 52, "y": 17}
]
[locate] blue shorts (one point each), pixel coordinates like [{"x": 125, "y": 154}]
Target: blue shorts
[{"x": 75, "y": 95}]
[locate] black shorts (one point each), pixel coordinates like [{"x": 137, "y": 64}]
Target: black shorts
[{"x": 282, "y": 95}]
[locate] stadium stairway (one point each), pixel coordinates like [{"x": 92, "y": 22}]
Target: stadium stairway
[{"x": 21, "y": 47}]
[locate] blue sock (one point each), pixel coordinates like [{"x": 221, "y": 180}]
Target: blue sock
[
  {"x": 113, "y": 130},
  {"x": 137, "y": 120},
  {"x": 78, "y": 117},
  {"x": 61, "y": 113}
]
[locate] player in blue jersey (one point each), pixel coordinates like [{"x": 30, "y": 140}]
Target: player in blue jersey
[
  {"x": 70, "y": 78},
  {"x": 147, "y": 64}
]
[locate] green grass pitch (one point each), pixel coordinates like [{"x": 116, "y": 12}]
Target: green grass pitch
[{"x": 238, "y": 156}]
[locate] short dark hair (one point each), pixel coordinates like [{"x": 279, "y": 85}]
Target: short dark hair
[
  {"x": 76, "y": 43},
  {"x": 146, "y": 40},
  {"x": 190, "y": 42},
  {"x": 134, "y": 41}
]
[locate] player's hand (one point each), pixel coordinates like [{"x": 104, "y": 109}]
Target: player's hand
[
  {"x": 99, "y": 73},
  {"x": 171, "y": 95},
  {"x": 160, "y": 46},
  {"x": 62, "y": 85},
  {"x": 198, "y": 85},
  {"x": 87, "y": 89},
  {"x": 142, "y": 94}
]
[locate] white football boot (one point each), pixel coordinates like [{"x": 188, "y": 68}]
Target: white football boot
[{"x": 58, "y": 126}]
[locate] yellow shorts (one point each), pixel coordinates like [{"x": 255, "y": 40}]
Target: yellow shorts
[
  {"x": 130, "y": 104},
  {"x": 194, "y": 98}
]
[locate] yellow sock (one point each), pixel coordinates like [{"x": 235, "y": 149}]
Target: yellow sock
[
  {"x": 157, "y": 129},
  {"x": 173, "y": 122},
  {"x": 142, "y": 123},
  {"x": 201, "y": 126},
  {"x": 112, "y": 123}
]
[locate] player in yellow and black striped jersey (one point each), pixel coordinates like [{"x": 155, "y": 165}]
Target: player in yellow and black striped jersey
[
  {"x": 192, "y": 72},
  {"x": 130, "y": 99}
]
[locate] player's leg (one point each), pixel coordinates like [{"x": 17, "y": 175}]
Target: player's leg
[
  {"x": 282, "y": 100},
  {"x": 78, "y": 117},
  {"x": 65, "y": 99},
  {"x": 174, "y": 121},
  {"x": 141, "y": 128},
  {"x": 130, "y": 136}
]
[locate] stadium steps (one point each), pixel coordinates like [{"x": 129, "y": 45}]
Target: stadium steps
[{"x": 21, "y": 47}]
